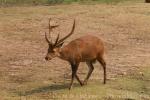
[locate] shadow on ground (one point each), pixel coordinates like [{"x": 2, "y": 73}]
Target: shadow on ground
[{"x": 51, "y": 88}]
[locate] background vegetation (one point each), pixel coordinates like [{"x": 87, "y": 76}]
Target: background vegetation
[{"x": 49, "y": 2}]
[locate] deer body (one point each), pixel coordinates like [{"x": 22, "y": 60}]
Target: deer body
[{"x": 84, "y": 49}]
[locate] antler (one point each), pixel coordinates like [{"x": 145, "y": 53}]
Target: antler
[
  {"x": 57, "y": 42},
  {"x": 47, "y": 39},
  {"x": 50, "y": 28}
]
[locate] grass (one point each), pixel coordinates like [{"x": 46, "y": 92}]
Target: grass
[
  {"x": 43, "y": 2},
  {"x": 123, "y": 88},
  {"x": 22, "y": 42}
]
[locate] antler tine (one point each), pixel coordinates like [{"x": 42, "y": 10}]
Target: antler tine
[
  {"x": 72, "y": 31},
  {"x": 47, "y": 39},
  {"x": 54, "y": 26},
  {"x": 56, "y": 40},
  {"x": 50, "y": 28}
]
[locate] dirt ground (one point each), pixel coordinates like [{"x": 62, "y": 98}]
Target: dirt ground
[{"x": 124, "y": 28}]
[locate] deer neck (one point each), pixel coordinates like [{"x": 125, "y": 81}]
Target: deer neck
[{"x": 63, "y": 54}]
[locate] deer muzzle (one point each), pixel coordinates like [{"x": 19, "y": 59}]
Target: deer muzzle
[{"x": 47, "y": 58}]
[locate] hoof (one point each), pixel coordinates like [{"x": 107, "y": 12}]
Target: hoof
[
  {"x": 69, "y": 88},
  {"x": 104, "y": 82},
  {"x": 81, "y": 84},
  {"x": 85, "y": 83}
]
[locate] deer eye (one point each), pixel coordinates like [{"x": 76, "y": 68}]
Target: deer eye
[{"x": 52, "y": 51}]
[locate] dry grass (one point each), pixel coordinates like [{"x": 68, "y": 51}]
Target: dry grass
[{"x": 26, "y": 75}]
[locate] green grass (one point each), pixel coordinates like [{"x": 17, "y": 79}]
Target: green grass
[
  {"x": 43, "y": 2},
  {"x": 130, "y": 87}
]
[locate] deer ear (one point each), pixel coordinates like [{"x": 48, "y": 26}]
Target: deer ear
[{"x": 60, "y": 45}]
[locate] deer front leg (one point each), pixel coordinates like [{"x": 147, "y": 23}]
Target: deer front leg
[{"x": 74, "y": 68}]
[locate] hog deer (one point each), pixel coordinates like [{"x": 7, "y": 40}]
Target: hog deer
[{"x": 84, "y": 49}]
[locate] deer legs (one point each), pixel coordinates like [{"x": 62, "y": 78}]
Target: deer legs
[
  {"x": 74, "y": 68},
  {"x": 91, "y": 68},
  {"x": 103, "y": 63}
]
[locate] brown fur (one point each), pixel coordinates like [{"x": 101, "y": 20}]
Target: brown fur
[{"x": 84, "y": 49}]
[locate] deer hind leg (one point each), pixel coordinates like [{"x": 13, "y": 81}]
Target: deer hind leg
[
  {"x": 103, "y": 63},
  {"x": 78, "y": 79},
  {"x": 74, "y": 68},
  {"x": 91, "y": 68}
]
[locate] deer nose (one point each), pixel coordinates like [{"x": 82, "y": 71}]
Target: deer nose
[{"x": 46, "y": 58}]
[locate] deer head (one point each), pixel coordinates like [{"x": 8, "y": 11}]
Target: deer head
[{"x": 54, "y": 48}]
